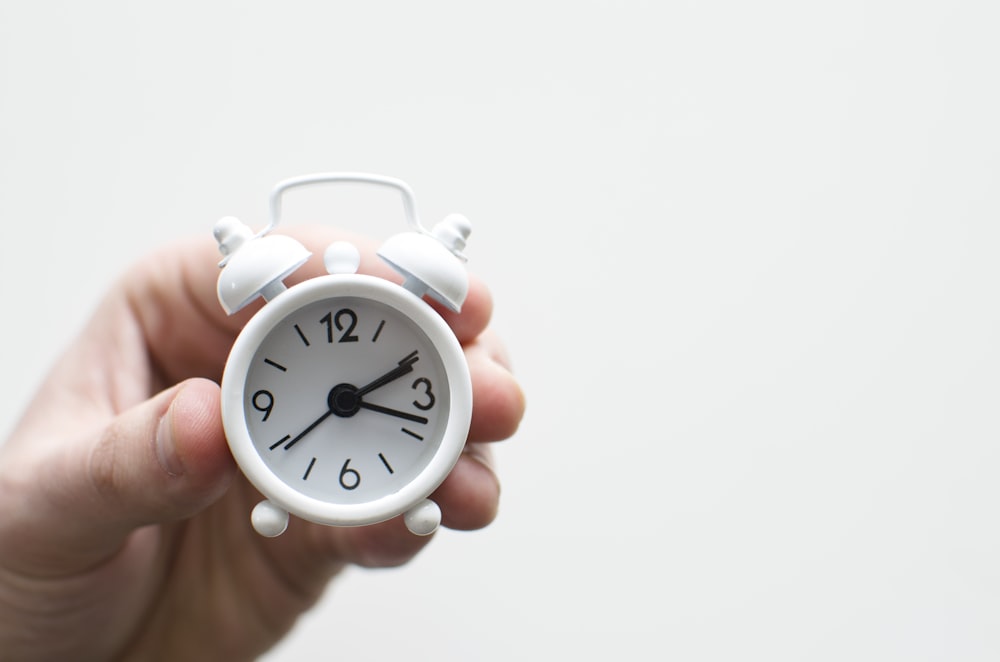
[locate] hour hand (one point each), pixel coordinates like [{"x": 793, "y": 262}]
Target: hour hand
[
  {"x": 405, "y": 366},
  {"x": 394, "y": 412}
]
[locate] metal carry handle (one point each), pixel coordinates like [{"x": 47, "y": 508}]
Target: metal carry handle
[{"x": 409, "y": 201}]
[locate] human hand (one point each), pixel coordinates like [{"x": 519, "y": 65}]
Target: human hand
[{"x": 124, "y": 523}]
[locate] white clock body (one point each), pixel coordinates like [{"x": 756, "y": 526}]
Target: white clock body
[
  {"x": 346, "y": 400},
  {"x": 300, "y": 430}
]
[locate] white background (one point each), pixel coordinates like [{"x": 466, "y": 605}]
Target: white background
[{"x": 744, "y": 256}]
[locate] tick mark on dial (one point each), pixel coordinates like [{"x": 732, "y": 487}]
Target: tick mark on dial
[
  {"x": 386, "y": 463},
  {"x": 302, "y": 335},
  {"x": 412, "y": 434},
  {"x": 378, "y": 330},
  {"x": 305, "y": 476},
  {"x": 279, "y": 442},
  {"x": 274, "y": 364}
]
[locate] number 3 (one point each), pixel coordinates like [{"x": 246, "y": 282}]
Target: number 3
[{"x": 427, "y": 391}]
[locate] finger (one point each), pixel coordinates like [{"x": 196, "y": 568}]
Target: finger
[
  {"x": 498, "y": 401},
  {"x": 384, "y": 545},
  {"x": 470, "y": 497},
  {"x": 162, "y": 460},
  {"x": 475, "y": 315}
]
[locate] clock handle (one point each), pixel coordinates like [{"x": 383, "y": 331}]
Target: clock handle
[{"x": 409, "y": 201}]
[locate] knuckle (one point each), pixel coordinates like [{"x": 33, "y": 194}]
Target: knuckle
[{"x": 104, "y": 465}]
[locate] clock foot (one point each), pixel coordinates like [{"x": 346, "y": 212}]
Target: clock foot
[
  {"x": 268, "y": 519},
  {"x": 423, "y": 519}
]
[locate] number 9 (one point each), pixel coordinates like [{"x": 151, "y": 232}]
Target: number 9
[{"x": 267, "y": 406}]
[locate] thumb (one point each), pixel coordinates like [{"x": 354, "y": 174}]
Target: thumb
[{"x": 163, "y": 460}]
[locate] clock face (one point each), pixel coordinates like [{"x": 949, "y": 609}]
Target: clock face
[{"x": 345, "y": 400}]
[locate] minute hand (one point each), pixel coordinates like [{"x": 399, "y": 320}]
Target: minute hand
[{"x": 405, "y": 366}]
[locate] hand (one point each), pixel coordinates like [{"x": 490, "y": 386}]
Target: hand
[
  {"x": 124, "y": 524},
  {"x": 405, "y": 366},
  {"x": 393, "y": 412},
  {"x": 309, "y": 428},
  {"x": 345, "y": 399}
]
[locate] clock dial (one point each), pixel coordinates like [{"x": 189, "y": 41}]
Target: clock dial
[{"x": 346, "y": 400}]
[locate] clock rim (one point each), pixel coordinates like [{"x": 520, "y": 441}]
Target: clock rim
[{"x": 441, "y": 338}]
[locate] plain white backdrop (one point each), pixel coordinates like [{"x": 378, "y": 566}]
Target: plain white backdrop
[{"x": 744, "y": 256}]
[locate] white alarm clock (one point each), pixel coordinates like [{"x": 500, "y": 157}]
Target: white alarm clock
[{"x": 346, "y": 400}]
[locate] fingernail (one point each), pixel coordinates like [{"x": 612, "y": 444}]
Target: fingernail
[{"x": 166, "y": 449}]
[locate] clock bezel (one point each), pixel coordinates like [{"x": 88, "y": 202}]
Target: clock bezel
[{"x": 452, "y": 440}]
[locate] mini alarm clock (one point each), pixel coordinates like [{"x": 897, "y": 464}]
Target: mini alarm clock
[{"x": 346, "y": 400}]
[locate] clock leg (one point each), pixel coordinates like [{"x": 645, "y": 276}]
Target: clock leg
[
  {"x": 423, "y": 519},
  {"x": 268, "y": 519}
]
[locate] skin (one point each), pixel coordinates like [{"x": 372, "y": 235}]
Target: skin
[{"x": 124, "y": 522}]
